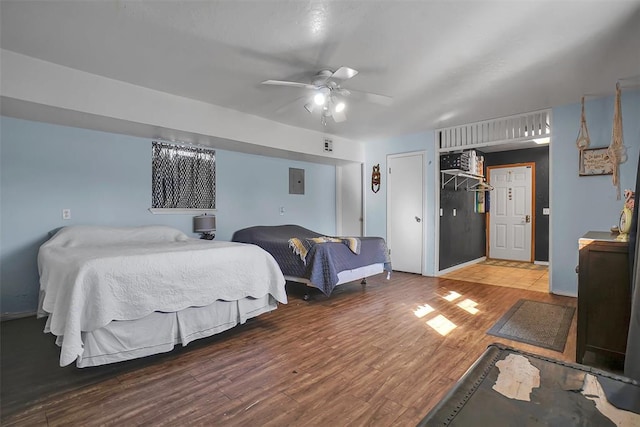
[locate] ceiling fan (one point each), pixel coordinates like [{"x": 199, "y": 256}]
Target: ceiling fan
[{"x": 329, "y": 95}]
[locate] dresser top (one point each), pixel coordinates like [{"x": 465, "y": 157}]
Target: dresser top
[{"x": 601, "y": 237}]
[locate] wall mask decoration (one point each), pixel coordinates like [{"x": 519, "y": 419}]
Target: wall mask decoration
[{"x": 375, "y": 178}]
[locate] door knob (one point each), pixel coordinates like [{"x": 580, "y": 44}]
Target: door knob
[{"x": 418, "y": 219}]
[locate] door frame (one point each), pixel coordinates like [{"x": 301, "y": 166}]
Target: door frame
[
  {"x": 339, "y": 204},
  {"x": 532, "y": 256},
  {"x": 423, "y": 154}
]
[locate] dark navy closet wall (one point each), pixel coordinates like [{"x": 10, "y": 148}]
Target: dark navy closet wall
[{"x": 462, "y": 237}]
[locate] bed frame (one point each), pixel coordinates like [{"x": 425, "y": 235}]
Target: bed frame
[
  {"x": 346, "y": 276},
  {"x": 372, "y": 257}
]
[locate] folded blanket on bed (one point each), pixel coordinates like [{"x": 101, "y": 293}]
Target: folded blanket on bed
[{"x": 301, "y": 247}]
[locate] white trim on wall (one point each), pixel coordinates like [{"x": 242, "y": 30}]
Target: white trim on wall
[
  {"x": 459, "y": 266},
  {"x": 436, "y": 225},
  {"x": 176, "y": 211},
  {"x": 551, "y": 210}
]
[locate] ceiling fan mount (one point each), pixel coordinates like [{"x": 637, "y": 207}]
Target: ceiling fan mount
[
  {"x": 329, "y": 94},
  {"x": 322, "y": 77}
]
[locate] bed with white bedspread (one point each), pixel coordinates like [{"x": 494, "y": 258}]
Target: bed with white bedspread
[{"x": 112, "y": 294}]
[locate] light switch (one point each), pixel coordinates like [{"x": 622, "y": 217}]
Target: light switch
[
  {"x": 545, "y": 211},
  {"x": 454, "y": 211},
  {"x": 441, "y": 211}
]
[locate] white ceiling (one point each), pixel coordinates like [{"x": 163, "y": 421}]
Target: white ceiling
[{"x": 444, "y": 62}]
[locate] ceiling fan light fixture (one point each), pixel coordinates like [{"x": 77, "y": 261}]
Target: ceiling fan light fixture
[
  {"x": 319, "y": 98},
  {"x": 327, "y": 96}
]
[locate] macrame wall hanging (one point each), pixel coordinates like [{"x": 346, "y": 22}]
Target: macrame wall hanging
[
  {"x": 617, "y": 151},
  {"x": 583, "y": 140}
]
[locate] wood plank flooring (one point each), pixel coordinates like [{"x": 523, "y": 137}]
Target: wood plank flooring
[
  {"x": 358, "y": 358},
  {"x": 509, "y": 277}
]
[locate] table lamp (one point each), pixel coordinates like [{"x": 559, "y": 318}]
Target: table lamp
[{"x": 205, "y": 225}]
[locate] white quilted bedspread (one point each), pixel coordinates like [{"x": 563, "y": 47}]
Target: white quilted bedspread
[{"x": 90, "y": 276}]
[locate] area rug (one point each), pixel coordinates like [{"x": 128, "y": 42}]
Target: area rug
[
  {"x": 537, "y": 323},
  {"x": 514, "y": 264}
]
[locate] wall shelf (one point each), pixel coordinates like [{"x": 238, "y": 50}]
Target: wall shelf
[{"x": 460, "y": 177}]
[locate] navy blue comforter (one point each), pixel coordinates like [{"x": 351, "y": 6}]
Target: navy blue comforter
[{"x": 324, "y": 261}]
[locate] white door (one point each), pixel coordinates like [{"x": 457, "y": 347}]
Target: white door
[
  {"x": 511, "y": 218},
  {"x": 349, "y": 199},
  {"x": 404, "y": 211}
]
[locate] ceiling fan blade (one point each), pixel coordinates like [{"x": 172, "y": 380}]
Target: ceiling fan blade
[
  {"x": 339, "y": 116},
  {"x": 373, "y": 97},
  {"x": 287, "y": 83},
  {"x": 344, "y": 73}
]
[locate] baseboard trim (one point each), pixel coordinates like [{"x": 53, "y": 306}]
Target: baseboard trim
[
  {"x": 564, "y": 294},
  {"x": 14, "y": 316},
  {"x": 459, "y": 266},
  {"x": 541, "y": 262}
]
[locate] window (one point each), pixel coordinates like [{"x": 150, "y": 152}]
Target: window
[{"x": 184, "y": 177}]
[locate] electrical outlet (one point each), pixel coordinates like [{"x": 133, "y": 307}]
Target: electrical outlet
[
  {"x": 281, "y": 210},
  {"x": 66, "y": 213}
]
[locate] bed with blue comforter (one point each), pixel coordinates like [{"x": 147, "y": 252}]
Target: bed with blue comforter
[{"x": 320, "y": 261}]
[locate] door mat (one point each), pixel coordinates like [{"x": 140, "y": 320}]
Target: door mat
[
  {"x": 514, "y": 264},
  {"x": 537, "y": 323}
]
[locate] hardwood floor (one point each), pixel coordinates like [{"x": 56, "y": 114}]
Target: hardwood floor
[
  {"x": 532, "y": 279},
  {"x": 358, "y": 358}
]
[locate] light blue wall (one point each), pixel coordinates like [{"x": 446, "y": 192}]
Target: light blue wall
[
  {"x": 376, "y": 203},
  {"x": 581, "y": 204},
  {"x": 251, "y": 190},
  {"x": 105, "y": 179}
]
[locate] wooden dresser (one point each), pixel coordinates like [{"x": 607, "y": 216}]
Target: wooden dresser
[{"x": 604, "y": 296}]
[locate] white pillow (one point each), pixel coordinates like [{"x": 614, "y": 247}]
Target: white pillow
[{"x": 87, "y": 235}]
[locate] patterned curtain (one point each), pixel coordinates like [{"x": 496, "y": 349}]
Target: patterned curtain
[{"x": 183, "y": 177}]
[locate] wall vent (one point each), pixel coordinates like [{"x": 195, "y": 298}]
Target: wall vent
[
  {"x": 521, "y": 127},
  {"x": 328, "y": 145}
]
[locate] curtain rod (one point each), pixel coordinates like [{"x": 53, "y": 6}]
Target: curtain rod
[{"x": 184, "y": 144}]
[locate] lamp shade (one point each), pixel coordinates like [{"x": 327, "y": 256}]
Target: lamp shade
[{"x": 204, "y": 223}]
